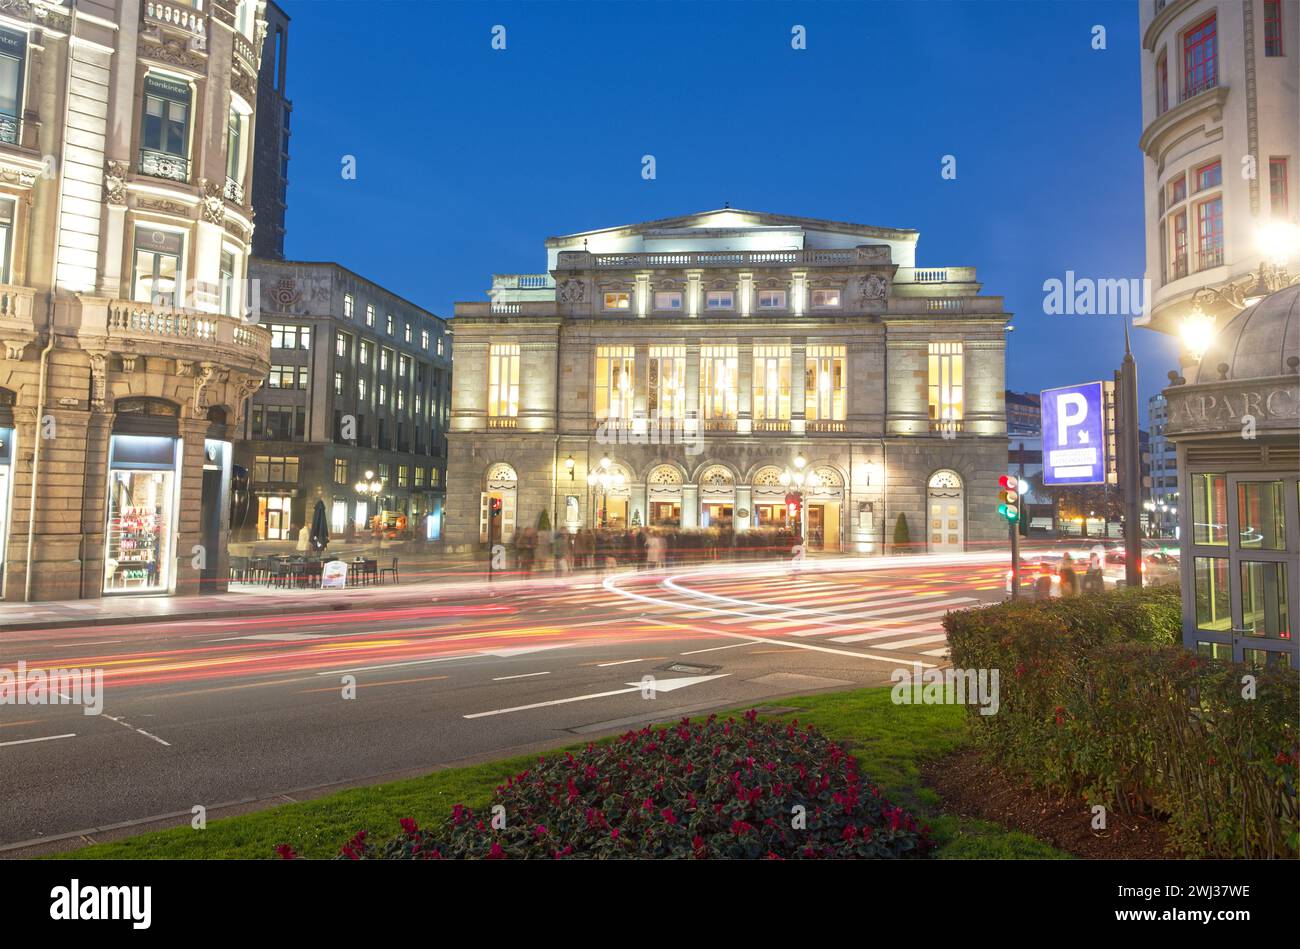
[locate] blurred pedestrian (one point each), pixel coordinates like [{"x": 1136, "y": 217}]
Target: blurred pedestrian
[{"x": 1069, "y": 579}]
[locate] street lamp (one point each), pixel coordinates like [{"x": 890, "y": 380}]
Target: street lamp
[
  {"x": 796, "y": 479},
  {"x": 369, "y": 486},
  {"x": 568, "y": 466},
  {"x": 1197, "y": 332},
  {"x": 603, "y": 479}
]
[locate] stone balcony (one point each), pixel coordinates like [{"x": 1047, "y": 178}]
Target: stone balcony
[
  {"x": 129, "y": 329},
  {"x": 869, "y": 254},
  {"x": 17, "y": 326}
]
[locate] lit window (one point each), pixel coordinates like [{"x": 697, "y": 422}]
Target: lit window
[
  {"x": 165, "y": 128},
  {"x": 1213, "y": 596},
  {"x": 341, "y": 345},
  {"x": 13, "y": 53},
  {"x": 618, "y": 301},
  {"x": 370, "y": 315},
  {"x": 668, "y": 300},
  {"x": 666, "y": 392},
  {"x": 275, "y": 469},
  {"x": 348, "y": 305},
  {"x": 157, "y": 266},
  {"x": 503, "y": 380},
  {"x": 718, "y": 382},
  {"x": 338, "y": 383},
  {"x": 1264, "y": 608},
  {"x": 366, "y": 353},
  {"x": 383, "y": 396},
  {"x": 771, "y": 299},
  {"x": 946, "y": 372},
  {"x": 824, "y": 383},
  {"x": 771, "y": 382},
  {"x": 424, "y": 339},
  {"x": 1209, "y": 509},
  {"x": 1209, "y": 233},
  {"x": 825, "y": 298},
  {"x": 406, "y": 333},
  {"x": 340, "y": 471},
  {"x": 388, "y": 323},
  {"x": 361, "y": 389},
  {"x": 720, "y": 300},
  {"x": 614, "y": 389}
]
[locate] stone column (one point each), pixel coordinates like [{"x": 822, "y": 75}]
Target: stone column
[
  {"x": 798, "y": 367},
  {"x": 690, "y": 505},
  {"x": 744, "y": 500},
  {"x": 693, "y": 424},
  {"x": 745, "y": 384}
]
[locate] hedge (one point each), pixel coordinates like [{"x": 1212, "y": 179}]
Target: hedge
[{"x": 1099, "y": 698}]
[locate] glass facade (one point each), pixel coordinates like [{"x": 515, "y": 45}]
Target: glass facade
[{"x": 141, "y": 514}]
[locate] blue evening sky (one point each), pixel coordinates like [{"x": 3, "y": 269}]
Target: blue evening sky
[{"x": 467, "y": 157}]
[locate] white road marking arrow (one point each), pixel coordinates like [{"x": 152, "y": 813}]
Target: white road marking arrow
[{"x": 659, "y": 685}]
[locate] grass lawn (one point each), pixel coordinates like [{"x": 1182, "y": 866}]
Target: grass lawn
[{"x": 890, "y": 742}]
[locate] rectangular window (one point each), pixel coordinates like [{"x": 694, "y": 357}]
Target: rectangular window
[
  {"x": 1208, "y": 176},
  {"x": 824, "y": 383},
  {"x": 157, "y": 266},
  {"x": 385, "y": 359},
  {"x": 1213, "y": 596},
  {"x": 666, "y": 396},
  {"x": 282, "y": 377},
  {"x": 618, "y": 301},
  {"x": 771, "y": 397},
  {"x": 419, "y": 476},
  {"x": 342, "y": 345},
  {"x": 668, "y": 300},
  {"x": 719, "y": 382},
  {"x": 946, "y": 374},
  {"x": 289, "y": 336},
  {"x": 403, "y": 366},
  {"x": 370, "y": 314},
  {"x": 406, "y": 332},
  {"x": 1209, "y": 509},
  {"x": 338, "y": 383},
  {"x": 226, "y": 283},
  {"x": 1178, "y": 247},
  {"x": 771, "y": 299},
  {"x": 614, "y": 382},
  {"x": 439, "y": 345},
  {"x": 6, "y": 236},
  {"x": 424, "y": 339},
  {"x": 1209, "y": 233},
  {"x": 1177, "y": 189},
  {"x": 1261, "y": 515},
  {"x": 503, "y": 380},
  {"x": 383, "y": 396},
  {"x": 13, "y": 56},
  {"x": 1162, "y": 84},
  {"x": 348, "y": 305},
  {"x": 1273, "y": 28},
  {"x": 366, "y": 353},
  {"x": 1200, "y": 58},
  {"x": 234, "y": 147},
  {"x": 388, "y": 323},
  {"x": 1278, "y": 198},
  {"x": 361, "y": 389},
  {"x": 275, "y": 469},
  {"x": 825, "y": 298},
  {"x": 401, "y": 476},
  {"x": 719, "y": 300},
  {"x": 1264, "y": 610},
  {"x": 164, "y": 130},
  {"x": 340, "y": 471}
]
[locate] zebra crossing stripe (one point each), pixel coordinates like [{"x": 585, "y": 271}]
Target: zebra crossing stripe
[{"x": 918, "y": 641}]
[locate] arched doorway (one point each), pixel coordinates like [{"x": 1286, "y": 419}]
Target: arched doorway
[
  {"x": 717, "y": 497},
  {"x": 767, "y": 495},
  {"x": 824, "y": 502},
  {"x": 501, "y": 484},
  {"x": 613, "y": 497},
  {"x": 664, "y": 496},
  {"x": 945, "y": 513}
]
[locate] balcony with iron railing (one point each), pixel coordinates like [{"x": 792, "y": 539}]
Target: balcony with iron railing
[
  {"x": 1194, "y": 87},
  {"x": 10, "y": 130},
  {"x": 158, "y": 164},
  {"x": 234, "y": 191}
]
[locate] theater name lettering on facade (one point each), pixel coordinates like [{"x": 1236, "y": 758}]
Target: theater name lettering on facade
[{"x": 690, "y": 360}]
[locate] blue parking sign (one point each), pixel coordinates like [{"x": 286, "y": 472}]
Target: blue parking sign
[{"x": 1074, "y": 434}]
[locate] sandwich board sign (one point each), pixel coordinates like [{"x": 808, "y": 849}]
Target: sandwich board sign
[
  {"x": 1074, "y": 434},
  {"x": 334, "y": 575}
]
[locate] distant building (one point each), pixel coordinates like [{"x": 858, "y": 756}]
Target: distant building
[
  {"x": 360, "y": 381},
  {"x": 271, "y": 138},
  {"x": 1023, "y": 413},
  {"x": 1164, "y": 469}
]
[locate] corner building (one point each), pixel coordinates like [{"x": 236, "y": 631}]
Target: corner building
[
  {"x": 701, "y": 355},
  {"x": 128, "y": 357}
]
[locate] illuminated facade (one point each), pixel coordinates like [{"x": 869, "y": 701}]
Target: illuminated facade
[
  {"x": 701, "y": 356},
  {"x": 129, "y": 355},
  {"x": 1221, "y": 136}
]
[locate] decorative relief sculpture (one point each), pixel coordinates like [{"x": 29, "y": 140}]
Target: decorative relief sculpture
[
  {"x": 214, "y": 202},
  {"x": 874, "y": 287},
  {"x": 115, "y": 173},
  {"x": 572, "y": 291}
]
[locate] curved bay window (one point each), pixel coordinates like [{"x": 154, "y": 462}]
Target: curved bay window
[
  {"x": 157, "y": 264},
  {"x": 165, "y": 128}
]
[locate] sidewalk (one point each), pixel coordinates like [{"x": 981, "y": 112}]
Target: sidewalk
[{"x": 256, "y": 600}]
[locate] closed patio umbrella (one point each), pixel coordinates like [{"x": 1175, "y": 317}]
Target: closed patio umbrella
[{"x": 320, "y": 531}]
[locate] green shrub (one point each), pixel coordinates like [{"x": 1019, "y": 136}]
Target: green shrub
[
  {"x": 902, "y": 536},
  {"x": 1099, "y": 698}
]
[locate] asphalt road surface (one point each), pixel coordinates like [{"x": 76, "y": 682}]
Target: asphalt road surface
[{"x": 251, "y": 711}]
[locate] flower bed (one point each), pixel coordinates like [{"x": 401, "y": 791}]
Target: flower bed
[
  {"x": 712, "y": 789},
  {"x": 1097, "y": 699}
]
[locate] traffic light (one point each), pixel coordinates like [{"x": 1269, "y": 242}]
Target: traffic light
[
  {"x": 494, "y": 507},
  {"x": 1009, "y": 497}
]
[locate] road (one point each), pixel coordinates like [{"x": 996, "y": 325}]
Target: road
[{"x": 252, "y": 710}]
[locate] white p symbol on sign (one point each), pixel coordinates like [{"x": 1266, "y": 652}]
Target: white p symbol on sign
[{"x": 1071, "y": 410}]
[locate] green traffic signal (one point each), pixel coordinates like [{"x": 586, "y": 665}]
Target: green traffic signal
[{"x": 1009, "y": 511}]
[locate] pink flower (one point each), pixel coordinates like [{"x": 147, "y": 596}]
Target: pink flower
[
  {"x": 286, "y": 852},
  {"x": 409, "y": 826},
  {"x": 496, "y": 853}
]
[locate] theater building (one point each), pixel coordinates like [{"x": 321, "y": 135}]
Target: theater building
[
  {"x": 671, "y": 373},
  {"x": 128, "y": 351}
]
